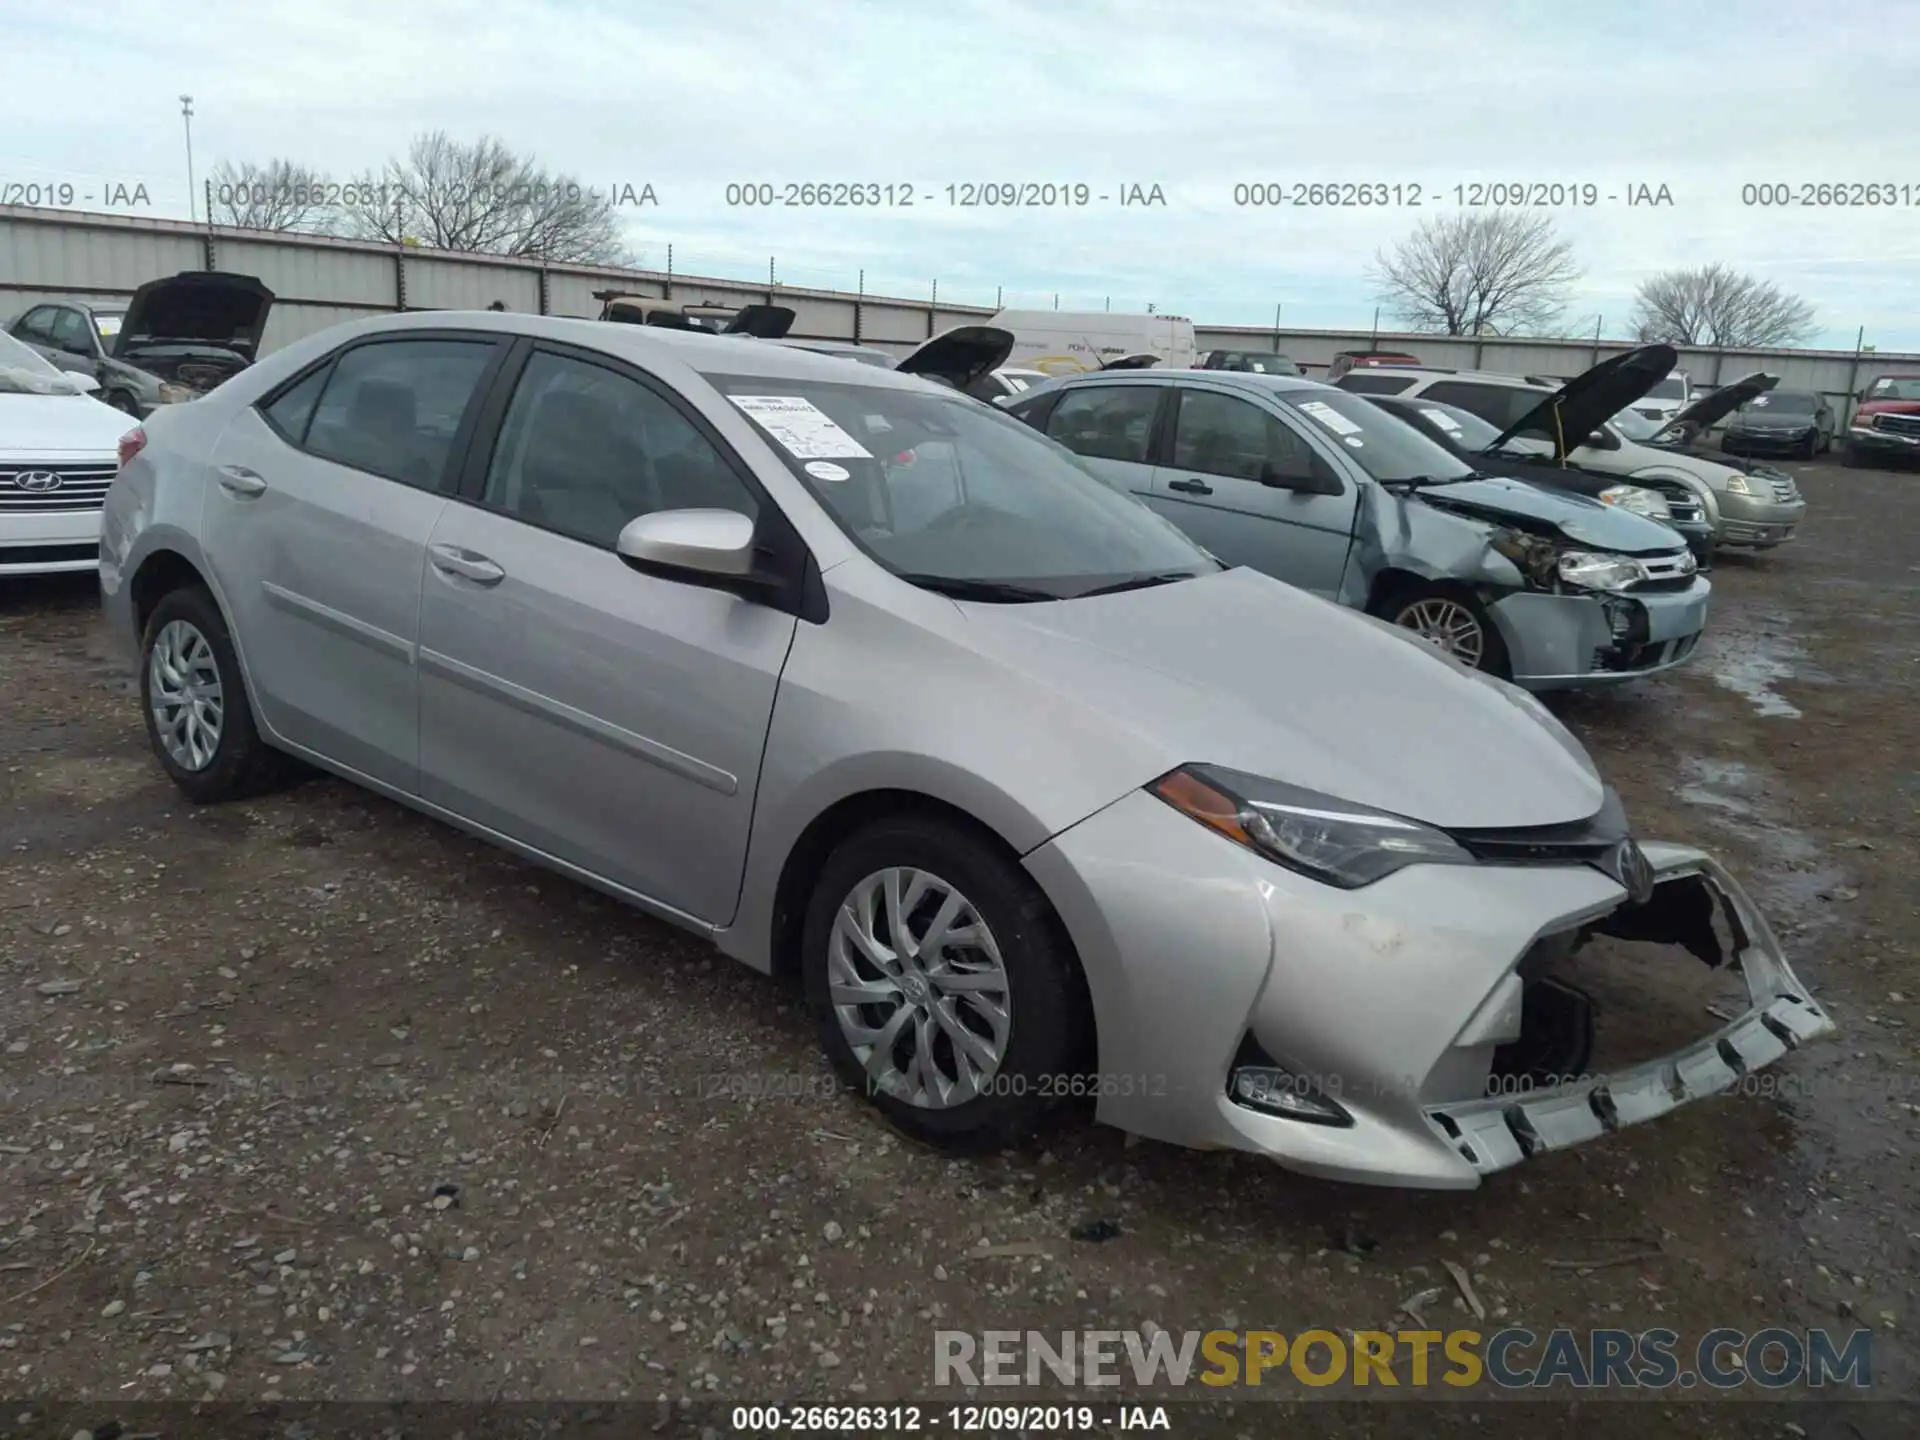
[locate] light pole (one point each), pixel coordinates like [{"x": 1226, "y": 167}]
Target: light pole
[{"x": 186, "y": 117}]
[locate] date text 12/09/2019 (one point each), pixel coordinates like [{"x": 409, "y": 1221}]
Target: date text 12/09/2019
[
  {"x": 1478, "y": 194},
  {"x": 965, "y": 195}
]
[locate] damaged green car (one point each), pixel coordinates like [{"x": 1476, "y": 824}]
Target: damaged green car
[{"x": 1329, "y": 492}]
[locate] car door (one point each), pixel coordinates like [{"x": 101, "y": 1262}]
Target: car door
[
  {"x": 35, "y": 329},
  {"x": 316, "y": 531},
  {"x": 75, "y": 345},
  {"x": 1112, "y": 428},
  {"x": 611, "y": 720},
  {"x": 1255, "y": 489}
]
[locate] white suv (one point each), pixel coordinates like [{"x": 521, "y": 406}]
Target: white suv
[{"x": 1759, "y": 508}]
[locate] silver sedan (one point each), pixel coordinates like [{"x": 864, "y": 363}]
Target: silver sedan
[{"x": 877, "y": 688}]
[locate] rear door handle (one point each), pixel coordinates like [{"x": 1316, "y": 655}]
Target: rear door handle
[
  {"x": 1192, "y": 487},
  {"x": 239, "y": 480},
  {"x": 452, "y": 560}
]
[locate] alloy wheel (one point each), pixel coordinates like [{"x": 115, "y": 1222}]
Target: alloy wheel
[
  {"x": 919, "y": 988},
  {"x": 1449, "y": 625},
  {"x": 185, "y": 695}
]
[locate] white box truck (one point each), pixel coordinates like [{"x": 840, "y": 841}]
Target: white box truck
[{"x": 1066, "y": 342}]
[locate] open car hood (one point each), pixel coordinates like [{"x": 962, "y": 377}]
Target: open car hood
[
  {"x": 1593, "y": 397},
  {"x": 1704, "y": 412},
  {"x": 201, "y": 307},
  {"x": 1142, "y": 360},
  {"x": 763, "y": 322},
  {"x": 960, "y": 357}
]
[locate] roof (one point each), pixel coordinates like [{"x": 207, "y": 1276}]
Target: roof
[
  {"x": 703, "y": 353},
  {"x": 1493, "y": 377},
  {"x": 1231, "y": 379}
]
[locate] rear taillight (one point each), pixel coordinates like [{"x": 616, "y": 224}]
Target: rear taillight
[{"x": 132, "y": 443}]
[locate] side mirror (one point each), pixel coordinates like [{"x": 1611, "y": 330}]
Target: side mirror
[
  {"x": 712, "y": 547},
  {"x": 1313, "y": 483}
]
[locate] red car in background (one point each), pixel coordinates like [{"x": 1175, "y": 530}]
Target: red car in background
[
  {"x": 1886, "y": 426},
  {"x": 1345, "y": 360}
]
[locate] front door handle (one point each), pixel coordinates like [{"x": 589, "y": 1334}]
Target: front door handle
[
  {"x": 452, "y": 560},
  {"x": 1192, "y": 487},
  {"x": 239, "y": 480}
]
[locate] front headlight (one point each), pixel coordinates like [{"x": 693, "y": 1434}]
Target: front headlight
[
  {"x": 1650, "y": 503},
  {"x": 1600, "y": 572},
  {"x": 172, "y": 394},
  {"x": 1333, "y": 841},
  {"x": 1737, "y": 485}
]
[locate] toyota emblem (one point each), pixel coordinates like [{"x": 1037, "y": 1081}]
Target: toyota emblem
[
  {"x": 1633, "y": 870},
  {"x": 37, "y": 481}
]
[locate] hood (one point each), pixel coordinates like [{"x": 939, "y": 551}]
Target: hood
[
  {"x": 1704, "y": 413},
  {"x": 962, "y": 356},
  {"x": 208, "y": 307},
  {"x": 1570, "y": 517},
  {"x": 1888, "y": 407},
  {"x": 1346, "y": 705},
  {"x": 1588, "y": 400},
  {"x": 48, "y": 427},
  {"x": 763, "y": 322}
]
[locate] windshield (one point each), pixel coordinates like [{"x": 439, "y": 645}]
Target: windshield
[
  {"x": 1781, "y": 402},
  {"x": 1635, "y": 426},
  {"x": 24, "y": 371},
  {"x": 1892, "y": 388},
  {"x": 948, "y": 493},
  {"x": 1382, "y": 444},
  {"x": 1671, "y": 388}
]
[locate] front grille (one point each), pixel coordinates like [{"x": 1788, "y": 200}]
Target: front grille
[
  {"x": 1682, "y": 504},
  {"x": 24, "y": 489},
  {"x": 1667, "y": 572},
  {"x": 1898, "y": 424},
  {"x": 47, "y": 554}
]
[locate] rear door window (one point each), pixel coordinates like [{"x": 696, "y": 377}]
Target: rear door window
[
  {"x": 393, "y": 407},
  {"x": 1106, "y": 422}
]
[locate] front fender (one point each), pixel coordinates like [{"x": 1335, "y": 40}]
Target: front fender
[{"x": 1392, "y": 532}]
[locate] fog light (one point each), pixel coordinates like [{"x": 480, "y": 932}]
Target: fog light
[{"x": 1259, "y": 1083}]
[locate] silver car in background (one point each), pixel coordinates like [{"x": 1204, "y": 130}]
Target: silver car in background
[{"x": 874, "y": 687}]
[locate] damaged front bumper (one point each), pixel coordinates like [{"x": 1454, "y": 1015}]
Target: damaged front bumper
[
  {"x": 1498, "y": 1131},
  {"x": 1392, "y": 1001},
  {"x": 1558, "y": 642}
]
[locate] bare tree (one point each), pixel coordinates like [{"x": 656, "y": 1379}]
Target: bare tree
[
  {"x": 1480, "y": 272},
  {"x": 1718, "y": 305},
  {"x": 280, "y": 195},
  {"x": 482, "y": 197}
]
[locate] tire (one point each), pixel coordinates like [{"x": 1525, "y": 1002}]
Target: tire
[
  {"x": 187, "y": 636},
  {"x": 1813, "y": 446},
  {"x": 1850, "y": 458},
  {"x": 1430, "y": 610},
  {"x": 123, "y": 402},
  {"x": 1045, "y": 1042}
]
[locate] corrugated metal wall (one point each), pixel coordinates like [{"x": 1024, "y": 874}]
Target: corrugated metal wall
[{"x": 319, "y": 281}]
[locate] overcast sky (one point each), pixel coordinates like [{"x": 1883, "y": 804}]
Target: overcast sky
[{"x": 1195, "y": 96}]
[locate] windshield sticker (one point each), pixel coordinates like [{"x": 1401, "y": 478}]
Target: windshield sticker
[
  {"x": 1443, "y": 420},
  {"x": 1759, "y": 400},
  {"x": 827, "y": 470},
  {"x": 805, "y": 430},
  {"x": 1330, "y": 417},
  {"x": 107, "y": 325}
]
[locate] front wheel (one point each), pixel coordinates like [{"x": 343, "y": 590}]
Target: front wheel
[
  {"x": 943, "y": 985},
  {"x": 1451, "y": 621},
  {"x": 1850, "y": 458},
  {"x": 195, "y": 703},
  {"x": 123, "y": 402}
]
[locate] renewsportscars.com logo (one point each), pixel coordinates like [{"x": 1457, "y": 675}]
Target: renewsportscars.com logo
[{"x": 1513, "y": 1358}]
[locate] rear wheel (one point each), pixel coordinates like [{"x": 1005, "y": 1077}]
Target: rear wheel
[
  {"x": 123, "y": 402},
  {"x": 942, "y": 984},
  {"x": 1450, "y": 619},
  {"x": 195, "y": 703}
]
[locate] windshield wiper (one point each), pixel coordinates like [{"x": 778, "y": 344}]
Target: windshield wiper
[
  {"x": 1414, "y": 482},
  {"x": 1141, "y": 582},
  {"x": 963, "y": 588}
]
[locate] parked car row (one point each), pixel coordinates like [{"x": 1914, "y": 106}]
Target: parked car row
[{"x": 970, "y": 718}]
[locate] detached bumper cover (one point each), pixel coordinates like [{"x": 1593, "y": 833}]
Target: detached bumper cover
[
  {"x": 1391, "y": 999},
  {"x": 1561, "y": 641},
  {"x": 1500, "y": 1131}
]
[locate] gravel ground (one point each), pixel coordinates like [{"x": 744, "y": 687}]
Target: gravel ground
[{"x": 313, "y": 1098}]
